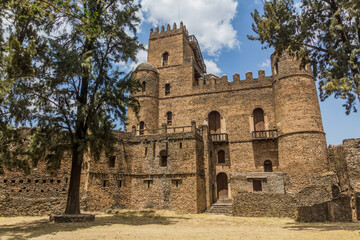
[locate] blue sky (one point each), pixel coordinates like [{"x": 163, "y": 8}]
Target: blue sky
[{"x": 221, "y": 27}]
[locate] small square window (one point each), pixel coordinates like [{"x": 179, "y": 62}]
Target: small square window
[{"x": 257, "y": 185}]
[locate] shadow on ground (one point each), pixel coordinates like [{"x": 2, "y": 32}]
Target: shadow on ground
[
  {"x": 336, "y": 226},
  {"x": 42, "y": 227}
]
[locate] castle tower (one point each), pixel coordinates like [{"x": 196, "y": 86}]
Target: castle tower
[
  {"x": 148, "y": 98},
  {"x": 301, "y": 144},
  {"x": 177, "y": 57}
]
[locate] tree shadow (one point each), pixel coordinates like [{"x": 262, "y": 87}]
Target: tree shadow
[
  {"x": 330, "y": 226},
  {"x": 36, "y": 228}
]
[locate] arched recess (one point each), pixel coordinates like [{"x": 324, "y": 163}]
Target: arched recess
[
  {"x": 268, "y": 166},
  {"x": 259, "y": 123},
  {"x": 222, "y": 185},
  {"x": 214, "y": 122}
]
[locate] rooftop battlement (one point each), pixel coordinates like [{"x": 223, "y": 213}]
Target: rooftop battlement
[
  {"x": 157, "y": 33},
  {"x": 211, "y": 82}
]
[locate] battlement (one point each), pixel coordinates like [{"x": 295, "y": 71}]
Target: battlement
[
  {"x": 211, "y": 82},
  {"x": 159, "y": 33}
]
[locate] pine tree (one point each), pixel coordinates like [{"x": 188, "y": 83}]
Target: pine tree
[
  {"x": 62, "y": 61},
  {"x": 325, "y": 33}
]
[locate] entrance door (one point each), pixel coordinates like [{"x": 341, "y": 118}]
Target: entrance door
[
  {"x": 222, "y": 186},
  {"x": 214, "y": 122}
]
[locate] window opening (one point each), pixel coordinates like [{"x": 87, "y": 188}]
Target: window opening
[
  {"x": 141, "y": 128},
  {"x": 257, "y": 186},
  {"x": 119, "y": 184},
  {"x": 169, "y": 117},
  {"x": 181, "y": 145},
  {"x": 144, "y": 86},
  {"x": 259, "y": 124},
  {"x": 268, "y": 166},
  {"x": 221, "y": 156},
  {"x": 167, "y": 89},
  {"x": 105, "y": 183},
  {"x": 148, "y": 182},
  {"x": 112, "y": 161},
  {"x": 214, "y": 122},
  {"x": 163, "y": 158},
  {"x": 165, "y": 59}
]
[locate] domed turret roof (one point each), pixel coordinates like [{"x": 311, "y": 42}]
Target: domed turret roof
[{"x": 146, "y": 66}]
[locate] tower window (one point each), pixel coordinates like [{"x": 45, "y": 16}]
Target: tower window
[
  {"x": 169, "y": 118},
  {"x": 112, "y": 161},
  {"x": 119, "y": 184},
  {"x": 141, "y": 128},
  {"x": 148, "y": 183},
  {"x": 259, "y": 123},
  {"x": 257, "y": 186},
  {"x": 268, "y": 166},
  {"x": 221, "y": 156},
  {"x": 144, "y": 86},
  {"x": 163, "y": 158},
  {"x": 167, "y": 89},
  {"x": 165, "y": 59}
]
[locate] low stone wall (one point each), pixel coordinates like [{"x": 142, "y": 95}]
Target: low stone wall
[
  {"x": 264, "y": 205},
  {"x": 336, "y": 210}
]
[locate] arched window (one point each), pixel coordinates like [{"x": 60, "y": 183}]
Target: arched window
[
  {"x": 165, "y": 59},
  {"x": 167, "y": 89},
  {"x": 259, "y": 124},
  {"x": 268, "y": 166},
  {"x": 214, "y": 122},
  {"x": 163, "y": 158},
  {"x": 221, "y": 156},
  {"x": 141, "y": 128},
  {"x": 169, "y": 116},
  {"x": 144, "y": 86}
]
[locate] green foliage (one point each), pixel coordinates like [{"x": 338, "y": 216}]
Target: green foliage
[
  {"x": 325, "y": 33},
  {"x": 59, "y": 74}
]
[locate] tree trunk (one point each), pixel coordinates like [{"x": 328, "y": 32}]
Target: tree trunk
[{"x": 73, "y": 200}]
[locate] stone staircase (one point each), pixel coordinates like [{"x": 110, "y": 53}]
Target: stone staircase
[{"x": 221, "y": 207}]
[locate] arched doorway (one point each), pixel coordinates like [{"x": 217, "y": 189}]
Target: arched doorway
[
  {"x": 214, "y": 122},
  {"x": 259, "y": 124},
  {"x": 222, "y": 186}
]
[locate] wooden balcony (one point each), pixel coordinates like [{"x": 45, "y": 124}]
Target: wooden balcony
[
  {"x": 219, "y": 138},
  {"x": 264, "y": 135}
]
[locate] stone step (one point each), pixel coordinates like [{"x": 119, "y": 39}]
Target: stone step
[{"x": 221, "y": 208}]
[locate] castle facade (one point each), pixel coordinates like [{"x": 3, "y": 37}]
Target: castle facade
[{"x": 201, "y": 141}]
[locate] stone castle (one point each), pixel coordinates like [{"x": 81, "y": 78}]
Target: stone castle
[{"x": 252, "y": 147}]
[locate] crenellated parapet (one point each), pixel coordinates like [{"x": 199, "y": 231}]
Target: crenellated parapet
[
  {"x": 211, "y": 82},
  {"x": 168, "y": 31}
]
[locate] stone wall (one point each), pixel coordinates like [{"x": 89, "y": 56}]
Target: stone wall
[
  {"x": 264, "y": 204},
  {"x": 336, "y": 210}
]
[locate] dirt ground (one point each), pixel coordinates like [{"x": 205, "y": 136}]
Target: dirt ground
[{"x": 152, "y": 224}]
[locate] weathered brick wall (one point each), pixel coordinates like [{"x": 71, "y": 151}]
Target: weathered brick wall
[
  {"x": 264, "y": 204},
  {"x": 337, "y": 160},
  {"x": 38, "y": 193}
]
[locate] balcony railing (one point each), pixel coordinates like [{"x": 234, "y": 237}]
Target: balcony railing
[
  {"x": 266, "y": 134},
  {"x": 219, "y": 137}
]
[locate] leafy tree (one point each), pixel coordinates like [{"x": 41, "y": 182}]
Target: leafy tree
[
  {"x": 325, "y": 33},
  {"x": 65, "y": 83}
]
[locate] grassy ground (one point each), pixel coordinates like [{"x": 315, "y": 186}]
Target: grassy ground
[{"x": 170, "y": 225}]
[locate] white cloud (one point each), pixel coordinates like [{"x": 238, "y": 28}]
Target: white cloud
[
  {"x": 265, "y": 64},
  {"x": 208, "y": 20},
  {"x": 211, "y": 67}
]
